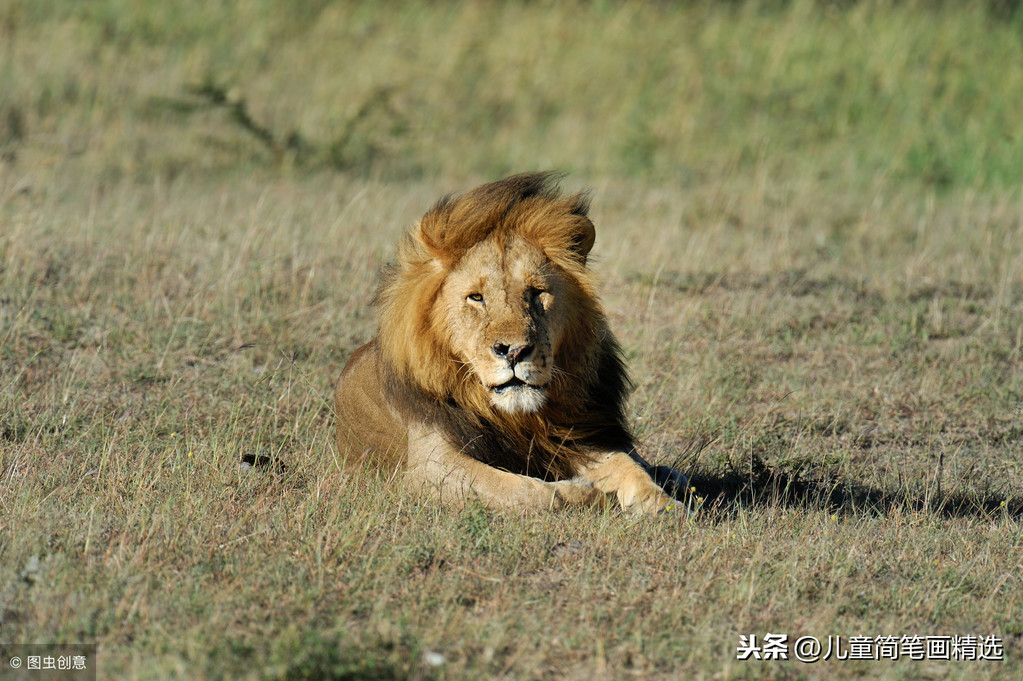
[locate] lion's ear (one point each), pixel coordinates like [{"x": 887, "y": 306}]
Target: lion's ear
[
  {"x": 581, "y": 233},
  {"x": 433, "y": 232},
  {"x": 583, "y": 236},
  {"x": 430, "y": 233}
]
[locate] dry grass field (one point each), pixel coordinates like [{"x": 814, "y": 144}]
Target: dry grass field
[{"x": 810, "y": 233}]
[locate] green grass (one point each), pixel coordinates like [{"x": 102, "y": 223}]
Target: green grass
[
  {"x": 906, "y": 92},
  {"x": 809, "y": 232}
]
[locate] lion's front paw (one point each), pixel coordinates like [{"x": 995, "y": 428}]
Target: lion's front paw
[
  {"x": 534, "y": 493},
  {"x": 577, "y": 492},
  {"x": 646, "y": 499}
]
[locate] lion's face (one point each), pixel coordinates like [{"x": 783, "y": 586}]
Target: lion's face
[
  {"x": 503, "y": 306},
  {"x": 490, "y": 308}
]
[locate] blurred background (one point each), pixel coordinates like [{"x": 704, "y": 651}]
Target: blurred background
[{"x": 836, "y": 94}]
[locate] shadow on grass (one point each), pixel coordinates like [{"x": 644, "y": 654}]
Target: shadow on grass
[{"x": 725, "y": 492}]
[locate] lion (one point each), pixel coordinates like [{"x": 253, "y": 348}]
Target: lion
[{"x": 494, "y": 374}]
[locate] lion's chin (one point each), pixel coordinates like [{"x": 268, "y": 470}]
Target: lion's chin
[{"x": 518, "y": 397}]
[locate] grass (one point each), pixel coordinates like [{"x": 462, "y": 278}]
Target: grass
[
  {"x": 809, "y": 231},
  {"x": 905, "y": 92}
]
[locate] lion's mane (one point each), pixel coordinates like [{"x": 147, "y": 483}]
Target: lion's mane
[{"x": 425, "y": 380}]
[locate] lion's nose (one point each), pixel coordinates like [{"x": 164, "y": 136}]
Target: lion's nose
[{"x": 512, "y": 353}]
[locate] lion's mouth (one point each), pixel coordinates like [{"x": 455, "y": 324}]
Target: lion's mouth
[{"x": 512, "y": 384}]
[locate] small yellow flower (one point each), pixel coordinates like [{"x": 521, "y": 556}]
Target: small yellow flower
[
  {"x": 191, "y": 454},
  {"x": 1004, "y": 503},
  {"x": 173, "y": 435},
  {"x": 834, "y": 518}
]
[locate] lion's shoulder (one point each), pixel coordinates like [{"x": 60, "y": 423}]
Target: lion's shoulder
[{"x": 367, "y": 419}]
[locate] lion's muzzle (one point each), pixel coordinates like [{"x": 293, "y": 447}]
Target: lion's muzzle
[{"x": 513, "y": 353}]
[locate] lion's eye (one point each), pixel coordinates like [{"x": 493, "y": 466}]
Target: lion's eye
[{"x": 475, "y": 297}]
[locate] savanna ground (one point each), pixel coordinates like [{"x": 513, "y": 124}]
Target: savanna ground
[{"x": 810, "y": 230}]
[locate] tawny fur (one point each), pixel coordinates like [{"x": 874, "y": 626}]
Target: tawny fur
[{"x": 442, "y": 394}]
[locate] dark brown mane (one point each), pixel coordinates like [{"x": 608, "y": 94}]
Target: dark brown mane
[{"x": 585, "y": 410}]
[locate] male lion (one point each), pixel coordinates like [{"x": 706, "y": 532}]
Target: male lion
[{"x": 494, "y": 373}]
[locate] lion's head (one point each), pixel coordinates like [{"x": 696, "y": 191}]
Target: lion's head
[{"x": 490, "y": 307}]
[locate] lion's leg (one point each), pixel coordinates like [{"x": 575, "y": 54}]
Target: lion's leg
[
  {"x": 617, "y": 473},
  {"x": 433, "y": 464},
  {"x": 674, "y": 483}
]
